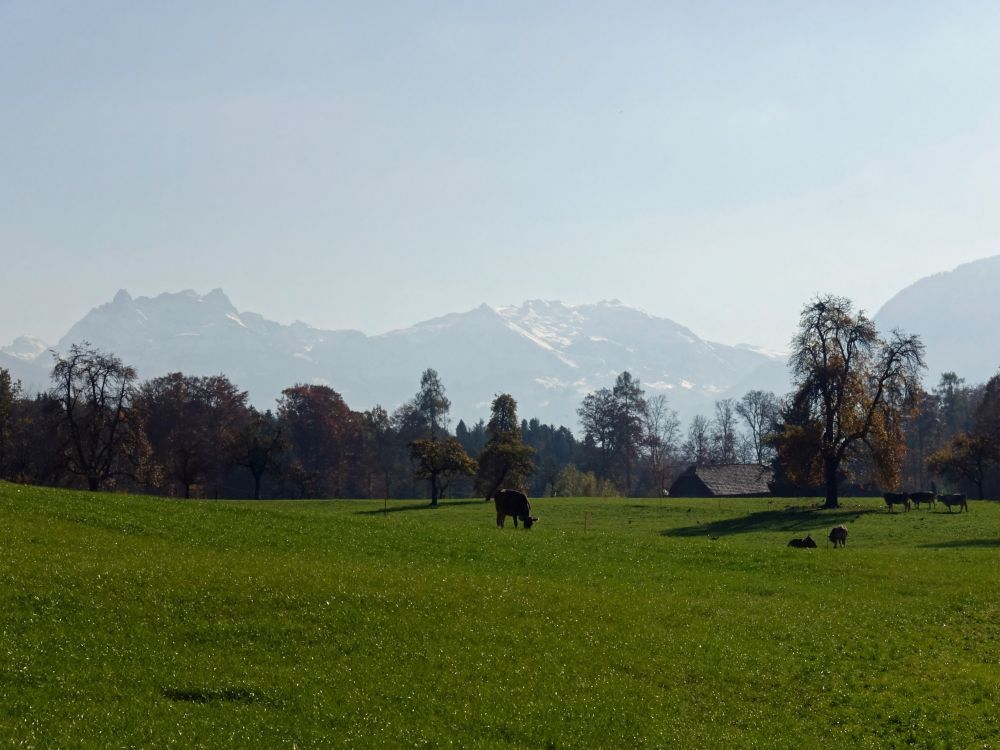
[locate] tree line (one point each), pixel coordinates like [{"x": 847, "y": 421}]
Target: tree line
[
  {"x": 100, "y": 427},
  {"x": 857, "y": 418}
]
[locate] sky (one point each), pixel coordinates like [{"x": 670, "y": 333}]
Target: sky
[{"x": 370, "y": 165}]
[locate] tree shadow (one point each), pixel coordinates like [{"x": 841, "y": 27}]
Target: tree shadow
[
  {"x": 419, "y": 506},
  {"x": 789, "y": 519},
  {"x": 963, "y": 543}
]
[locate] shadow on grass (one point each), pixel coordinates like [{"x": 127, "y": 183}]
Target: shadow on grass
[
  {"x": 963, "y": 543},
  {"x": 788, "y": 519},
  {"x": 213, "y": 695},
  {"x": 419, "y": 506}
]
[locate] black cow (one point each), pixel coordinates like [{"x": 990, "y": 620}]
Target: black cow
[
  {"x": 808, "y": 542},
  {"x": 897, "y": 498},
  {"x": 513, "y": 503},
  {"x": 838, "y": 535},
  {"x": 956, "y": 498},
  {"x": 922, "y": 497}
]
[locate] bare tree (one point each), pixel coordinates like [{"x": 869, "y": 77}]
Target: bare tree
[
  {"x": 759, "y": 410},
  {"x": 697, "y": 447},
  {"x": 102, "y": 440},
  {"x": 662, "y": 436},
  {"x": 597, "y": 418},
  {"x": 723, "y": 433}
]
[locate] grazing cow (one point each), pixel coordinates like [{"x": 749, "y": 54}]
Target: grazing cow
[
  {"x": 513, "y": 503},
  {"x": 922, "y": 497},
  {"x": 897, "y": 498},
  {"x": 838, "y": 535},
  {"x": 808, "y": 542},
  {"x": 955, "y": 498}
]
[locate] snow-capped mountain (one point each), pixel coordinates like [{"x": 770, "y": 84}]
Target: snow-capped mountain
[
  {"x": 25, "y": 348},
  {"x": 547, "y": 354}
]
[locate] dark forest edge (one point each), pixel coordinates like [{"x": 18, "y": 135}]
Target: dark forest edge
[{"x": 858, "y": 420}]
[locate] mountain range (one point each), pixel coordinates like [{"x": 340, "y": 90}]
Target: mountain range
[
  {"x": 547, "y": 354},
  {"x": 957, "y": 317}
]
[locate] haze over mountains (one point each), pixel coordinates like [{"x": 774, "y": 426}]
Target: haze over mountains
[
  {"x": 957, "y": 315},
  {"x": 548, "y": 355}
]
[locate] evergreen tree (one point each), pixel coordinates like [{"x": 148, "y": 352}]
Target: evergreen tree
[{"x": 506, "y": 459}]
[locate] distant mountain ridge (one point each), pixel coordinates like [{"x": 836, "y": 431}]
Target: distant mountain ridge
[
  {"x": 957, "y": 316},
  {"x": 545, "y": 353}
]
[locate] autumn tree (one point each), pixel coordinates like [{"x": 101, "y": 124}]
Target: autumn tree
[
  {"x": 964, "y": 458},
  {"x": 35, "y": 451},
  {"x": 191, "y": 423},
  {"x": 259, "y": 446},
  {"x": 439, "y": 461},
  {"x": 855, "y": 387},
  {"x": 505, "y": 460},
  {"x": 969, "y": 456},
  {"x": 102, "y": 438},
  {"x": 438, "y": 458},
  {"x": 323, "y": 435}
]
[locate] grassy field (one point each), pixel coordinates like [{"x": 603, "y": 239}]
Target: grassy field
[{"x": 140, "y": 622}]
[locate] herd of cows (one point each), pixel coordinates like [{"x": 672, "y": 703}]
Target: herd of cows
[
  {"x": 916, "y": 498},
  {"x": 515, "y": 503}
]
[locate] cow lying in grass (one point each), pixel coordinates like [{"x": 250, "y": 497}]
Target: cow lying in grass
[
  {"x": 838, "y": 535},
  {"x": 897, "y": 498},
  {"x": 513, "y": 503},
  {"x": 956, "y": 498},
  {"x": 808, "y": 542},
  {"x": 922, "y": 497}
]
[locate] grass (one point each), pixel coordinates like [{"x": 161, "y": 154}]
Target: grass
[{"x": 129, "y": 621}]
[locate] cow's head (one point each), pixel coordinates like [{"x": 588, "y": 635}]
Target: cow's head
[{"x": 528, "y": 521}]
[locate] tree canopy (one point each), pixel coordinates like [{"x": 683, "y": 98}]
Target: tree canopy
[
  {"x": 852, "y": 390},
  {"x": 505, "y": 459}
]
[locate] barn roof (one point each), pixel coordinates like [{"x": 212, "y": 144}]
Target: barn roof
[{"x": 730, "y": 480}]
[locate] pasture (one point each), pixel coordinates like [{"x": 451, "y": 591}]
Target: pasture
[{"x": 129, "y": 621}]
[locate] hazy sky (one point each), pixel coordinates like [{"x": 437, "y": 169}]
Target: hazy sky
[{"x": 370, "y": 164}]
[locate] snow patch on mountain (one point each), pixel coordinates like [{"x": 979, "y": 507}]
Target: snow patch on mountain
[
  {"x": 25, "y": 348},
  {"x": 547, "y": 354}
]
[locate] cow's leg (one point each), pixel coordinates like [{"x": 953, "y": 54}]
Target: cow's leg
[
  {"x": 499, "y": 520},
  {"x": 515, "y": 520}
]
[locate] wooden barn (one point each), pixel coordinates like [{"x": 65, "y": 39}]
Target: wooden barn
[{"x": 727, "y": 480}]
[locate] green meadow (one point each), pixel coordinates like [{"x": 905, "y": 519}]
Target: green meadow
[{"x": 129, "y": 621}]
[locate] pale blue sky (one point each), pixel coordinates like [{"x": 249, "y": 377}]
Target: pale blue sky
[{"x": 371, "y": 164}]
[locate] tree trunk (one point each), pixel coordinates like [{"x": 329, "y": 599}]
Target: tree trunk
[
  {"x": 93, "y": 483},
  {"x": 435, "y": 492},
  {"x": 256, "y": 484},
  {"x": 830, "y": 476}
]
